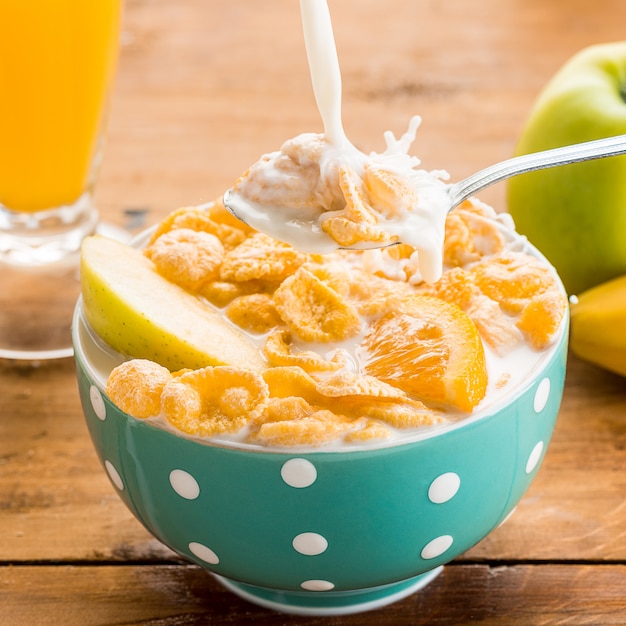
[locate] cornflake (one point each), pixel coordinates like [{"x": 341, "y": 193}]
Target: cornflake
[
  {"x": 279, "y": 350},
  {"x": 136, "y": 386},
  {"x": 388, "y": 193},
  {"x": 512, "y": 279},
  {"x": 374, "y": 295},
  {"x": 399, "y": 414},
  {"x": 471, "y": 233},
  {"x": 255, "y": 312},
  {"x": 541, "y": 318},
  {"x": 320, "y": 427},
  {"x": 314, "y": 311},
  {"x": 496, "y": 327},
  {"x": 187, "y": 257},
  {"x": 371, "y": 294},
  {"x": 357, "y": 222},
  {"x": 286, "y": 381},
  {"x": 261, "y": 257},
  {"x": 230, "y": 232},
  {"x": 283, "y": 409},
  {"x": 370, "y": 430},
  {"x": 223, "y": 292},
  {"x": 213, "y": 400},
  {"x": 350, "y": 384}
]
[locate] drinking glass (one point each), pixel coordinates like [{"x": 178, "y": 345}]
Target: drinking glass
[{"x": 57, "y": 65}]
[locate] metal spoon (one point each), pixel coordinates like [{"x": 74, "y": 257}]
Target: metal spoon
[
  {"x": 459, "y": 191},
  {"x": 586, "y": 151}
]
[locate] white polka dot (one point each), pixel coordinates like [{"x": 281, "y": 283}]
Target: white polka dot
[
  {"x": 204, "y": 553},
  {"x": 317, "y": 585},
  {"x": 184, "y": 484},
  {"x": 444, "y": 487},
  {"x": 114, "y": 475},
  {"x": 310, "y": 544},
  {"x": 298, "y": 473},
  {"x": 437, "y": 547},
  {"x": 97, "y": 403},
  {"x": 534, "y": 457},
  {"x": 541, "y": 395}
]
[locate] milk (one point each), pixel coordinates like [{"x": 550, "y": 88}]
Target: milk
[{"x": 287, "y": 192}]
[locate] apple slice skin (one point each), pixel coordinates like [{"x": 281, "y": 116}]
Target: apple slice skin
[
  {"x": 142, "y": 315},
  {"x": 576, "y": 214}
]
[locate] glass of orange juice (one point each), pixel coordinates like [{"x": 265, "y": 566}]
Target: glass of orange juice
[{"x": 57, "y": 65}]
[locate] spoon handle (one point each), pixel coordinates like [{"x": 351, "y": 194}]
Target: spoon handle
[{"x": 611, "y": 146}]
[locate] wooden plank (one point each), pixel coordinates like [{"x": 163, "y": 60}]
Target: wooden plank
[{"x": 110, "y": 595}]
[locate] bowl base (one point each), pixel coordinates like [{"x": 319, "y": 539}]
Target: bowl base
[{"x": 329, "y": 602}]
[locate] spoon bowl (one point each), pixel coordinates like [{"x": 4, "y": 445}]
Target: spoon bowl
[{"x": 312, "y": 237}]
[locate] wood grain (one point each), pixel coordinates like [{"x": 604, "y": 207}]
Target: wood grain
[
  {"x": 203, "y": 89},
  {"x": 478, "y": 594}
]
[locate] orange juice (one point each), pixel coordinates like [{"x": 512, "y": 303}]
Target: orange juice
[{"x": 57, "y": 62}]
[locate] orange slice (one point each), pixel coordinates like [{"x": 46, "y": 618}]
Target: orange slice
[{"x": 429, "y": 348}]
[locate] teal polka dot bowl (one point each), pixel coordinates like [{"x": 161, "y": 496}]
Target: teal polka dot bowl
[{"x": 324, "y": 532}]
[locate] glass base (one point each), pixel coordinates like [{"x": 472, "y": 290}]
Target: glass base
[
  {"x": 326, "y": 603},
  {"x": 39, "y": 270}
]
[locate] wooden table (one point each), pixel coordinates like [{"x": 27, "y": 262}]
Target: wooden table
[{"x": 204, "y": 88}]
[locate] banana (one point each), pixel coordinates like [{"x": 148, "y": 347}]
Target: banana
[{"x": 598, "y": 325}]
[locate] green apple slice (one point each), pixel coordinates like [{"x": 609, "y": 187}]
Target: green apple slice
[{"x": 142, "y": 315}]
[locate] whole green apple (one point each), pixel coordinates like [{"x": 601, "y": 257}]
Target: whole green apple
[{"x": 576, "y": 214}]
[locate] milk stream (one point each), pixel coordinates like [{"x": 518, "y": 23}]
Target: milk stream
[{"x": 324, "y": 67}]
